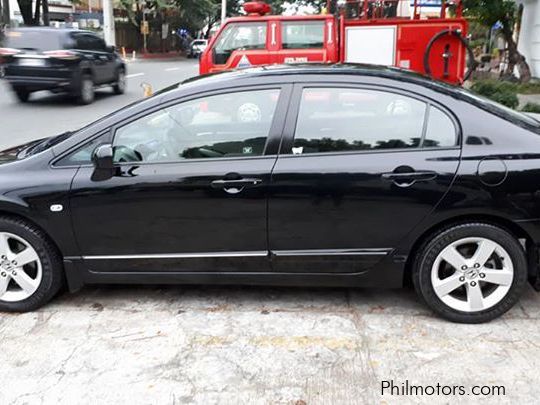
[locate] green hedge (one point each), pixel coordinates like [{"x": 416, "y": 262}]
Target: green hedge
[
  {"x": 500, "y": 91},
  {"x": 531, "y": 108}
]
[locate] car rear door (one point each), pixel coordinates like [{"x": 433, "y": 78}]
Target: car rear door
[
  {"x": 93, "y": 50},
  {"x": 359, "y": 167},
  {"x": 189, "y": 190}
]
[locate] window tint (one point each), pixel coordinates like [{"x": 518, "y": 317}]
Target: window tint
[
  {"x": 89, "y": 42},
  {"x": 302, "y": 34},
  {"x": 334, "y": 120},
  {"x": 227, "y": 125},
  {"x": 440, "y": 131},
  {"x": 244, "y": 36}
]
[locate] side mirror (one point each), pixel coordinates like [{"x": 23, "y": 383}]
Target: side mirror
[
  {"x": 103, "y": 157},
  {"x": 111, "y": 49}
]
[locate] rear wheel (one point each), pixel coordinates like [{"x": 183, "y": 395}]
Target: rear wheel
[
  {"x": 86, "y": 90},
  {"x": 119, "y": 86},
  {"x": 22, "y": 93},
  {"x": 471, "y": 273},
  {"x": 30, "y": 268}
]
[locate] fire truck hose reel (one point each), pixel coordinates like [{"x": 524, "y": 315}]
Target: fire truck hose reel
[{"x": 471, "y": 65}]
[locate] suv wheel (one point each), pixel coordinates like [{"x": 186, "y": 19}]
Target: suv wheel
[
  {"x": 119, "y": 86},
  {"x": 30, "y": 268},
  {"x": 86, "y": 90},
  {"x": 471, "y": 273},
  {"x": 22, "y": 94}
]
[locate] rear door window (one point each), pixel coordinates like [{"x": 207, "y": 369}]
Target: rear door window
[
  {"x": 346, "y": 119},
  {"x": 302, "y": 34}
]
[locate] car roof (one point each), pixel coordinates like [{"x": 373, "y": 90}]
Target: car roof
[
  {"x": 359, "y": 70},
  {"x": 354, "y": 69}
]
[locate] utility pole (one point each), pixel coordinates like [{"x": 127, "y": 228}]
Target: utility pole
[
  {"x": 108, "y": 23},
  {"x": 223, "y": 11},
  {"x": 5, "y": 13}
]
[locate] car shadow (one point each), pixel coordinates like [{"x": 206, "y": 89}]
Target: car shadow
[{"x": 179, "y": 299}]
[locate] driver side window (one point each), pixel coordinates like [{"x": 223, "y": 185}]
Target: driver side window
[{"x": 225, "y": 125}]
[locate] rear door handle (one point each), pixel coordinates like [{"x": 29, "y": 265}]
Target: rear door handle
[
  {"x": 235, "y": 186},
  {"x": 409, "y": 178}
]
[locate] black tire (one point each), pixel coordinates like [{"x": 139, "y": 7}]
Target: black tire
[
  {"x": 85, "y": 94},
  {"x": 22, "y": 93},
  {"x": 428, "y": 252},
  {"x": 119, "y": 87},
  {"x": 51, "y": 263}
]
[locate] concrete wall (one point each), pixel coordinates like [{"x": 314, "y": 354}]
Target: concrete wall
[{"x": 529, "y": 39}]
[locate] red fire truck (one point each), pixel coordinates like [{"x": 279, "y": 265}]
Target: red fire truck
[{"x": 383, "y": 32}]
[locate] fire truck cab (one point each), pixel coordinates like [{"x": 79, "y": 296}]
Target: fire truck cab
[{"x": 383, "y": 32}]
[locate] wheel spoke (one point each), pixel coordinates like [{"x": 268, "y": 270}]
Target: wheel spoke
[
  {"x": 453, "y": 257},
  {"x": 25, "y": 257},
  {"x": 24, "y": 281},
  {"x": 447, "y": 285},
  {"x": 4, "y": 246},
  {"x": 501, "y": 277},
  {"x": 4, "y": 281},
  {"x": 475, "y": 298},
  {"x": 484, "y": 251}
]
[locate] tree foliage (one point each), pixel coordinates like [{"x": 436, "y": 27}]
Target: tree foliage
[{"x": 505, "y": 12}]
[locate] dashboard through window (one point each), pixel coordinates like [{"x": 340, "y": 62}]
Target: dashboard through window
[{"x": 226, "y": 125}]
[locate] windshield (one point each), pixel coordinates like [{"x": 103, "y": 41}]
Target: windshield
[
  {"x": 239, "y": 36},
  {"x": 38, "y": 40}
]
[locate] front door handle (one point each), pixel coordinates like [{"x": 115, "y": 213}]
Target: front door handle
[
  {"x": 409, "y": 178},
  {"x": 235, "y": 186}
]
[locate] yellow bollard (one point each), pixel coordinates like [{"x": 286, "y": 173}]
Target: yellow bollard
[{"x": 147, "y": 90}]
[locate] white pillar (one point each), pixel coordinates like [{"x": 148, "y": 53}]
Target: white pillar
[
  {"x": 108, "y": 23},
  {"x": 223, "y": 11}
]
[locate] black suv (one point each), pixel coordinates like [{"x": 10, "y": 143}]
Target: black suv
[{"x": 60, "y": 60}]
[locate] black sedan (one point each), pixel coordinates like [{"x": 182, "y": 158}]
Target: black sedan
[{"x": 302, "y": 175}]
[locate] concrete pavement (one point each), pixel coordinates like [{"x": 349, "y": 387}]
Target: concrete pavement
[{"x": 209, "y": 345}]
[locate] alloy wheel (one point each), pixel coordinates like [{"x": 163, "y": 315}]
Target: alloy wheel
[
  {"x": 472, "y": 274},
  {"x": 20, "y": 268},
  {"x": 87, "y": 91}
]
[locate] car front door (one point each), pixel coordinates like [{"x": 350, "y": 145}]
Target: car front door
[
  {"x": 358, "y": 169},
  {"x": 189, "y": 188}
]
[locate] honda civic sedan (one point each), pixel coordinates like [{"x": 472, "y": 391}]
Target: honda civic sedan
[{"x": 337, "y": 176}]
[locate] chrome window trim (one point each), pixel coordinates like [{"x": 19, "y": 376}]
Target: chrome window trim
[{"x": 256, "y": 253}]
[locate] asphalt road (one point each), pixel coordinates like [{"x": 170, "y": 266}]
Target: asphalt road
[{"x": 48, "y": 114}]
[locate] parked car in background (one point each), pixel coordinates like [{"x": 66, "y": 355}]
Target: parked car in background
[
  {"x": 197, "y": 47},
  {"x": 315, "y": 175},
  {"x": 68, "y": 61}
]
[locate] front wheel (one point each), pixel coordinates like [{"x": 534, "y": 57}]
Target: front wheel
[
  {"x": 119, "y": 87},
  {"x": 30, "y": 268},
  {"x": 86, "y": 90},
  {"x": 471, "y": 273}
]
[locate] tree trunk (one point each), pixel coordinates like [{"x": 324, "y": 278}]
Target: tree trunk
[
  {"x": 25, "y": 7},
  {"x": 515, "y": 58},
  {"x": 46, "y": 12},
  {"x": 37, "y": 13}
]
